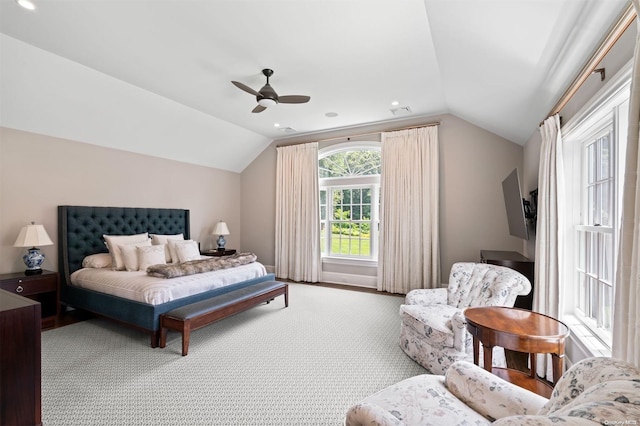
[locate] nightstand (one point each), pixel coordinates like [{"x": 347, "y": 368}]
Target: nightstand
[
  {"x": 42, "y": 288},
  {"x": 217, "y": 253}
]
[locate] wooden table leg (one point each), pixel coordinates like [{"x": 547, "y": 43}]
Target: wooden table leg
[
  {"x": 488, "y": 357},
  {"x": 557, "y": 361},
  {"x": 533, "y": 358},
  {"x": 476, "y": 350}
]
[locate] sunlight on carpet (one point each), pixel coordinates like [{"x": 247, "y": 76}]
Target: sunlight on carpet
[{"x": 301, "y": 365}]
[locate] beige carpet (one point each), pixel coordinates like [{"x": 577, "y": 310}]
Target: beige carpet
[{"x": 301, "y": 365}]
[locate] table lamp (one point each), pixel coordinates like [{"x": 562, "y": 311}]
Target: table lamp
[
  {"x": 31, "y": 236},
  {"x": 221, "y": 230}
]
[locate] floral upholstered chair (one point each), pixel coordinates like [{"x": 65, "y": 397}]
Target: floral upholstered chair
[
  {"x": 433, "y": 328},
  {"x": 593, "y": 391}
]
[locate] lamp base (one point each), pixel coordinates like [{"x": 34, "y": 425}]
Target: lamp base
[
  {"x": 221, "y": 243},
  {"x": 33, "y": 272}
]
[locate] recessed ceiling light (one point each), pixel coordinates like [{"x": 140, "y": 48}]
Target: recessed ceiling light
[
  {"x": 27, "y": 4},
  {"x": 331, "y": 114},
  {"x": 395, "y": 103},
  {"x": 276, "y": 124}
]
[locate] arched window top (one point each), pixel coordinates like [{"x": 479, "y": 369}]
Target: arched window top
[{"x": 349, "y": 160}]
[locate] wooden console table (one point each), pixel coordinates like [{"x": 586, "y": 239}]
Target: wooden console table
[{"x": 519, "y": 330}]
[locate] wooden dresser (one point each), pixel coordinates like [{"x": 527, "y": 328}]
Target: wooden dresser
[{"x": 20, "y": 360}]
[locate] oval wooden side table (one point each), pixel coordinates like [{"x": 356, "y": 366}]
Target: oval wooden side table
[{"x": 522, "y": 331}]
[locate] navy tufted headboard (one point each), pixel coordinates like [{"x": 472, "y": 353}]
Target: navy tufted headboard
[{"x": 80, "y": 229}]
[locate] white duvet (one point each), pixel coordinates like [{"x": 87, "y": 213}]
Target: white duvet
[{"x": 152, "y": 290}]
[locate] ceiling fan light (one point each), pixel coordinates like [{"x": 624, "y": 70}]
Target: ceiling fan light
[{"x": 266, "y": 102}]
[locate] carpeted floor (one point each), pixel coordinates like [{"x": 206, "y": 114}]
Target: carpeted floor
[{"x": 303, "y": 365}]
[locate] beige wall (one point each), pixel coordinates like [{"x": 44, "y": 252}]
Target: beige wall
[
  {"x": 472, "y": 215},
  {"x": 38, "y": 173}
]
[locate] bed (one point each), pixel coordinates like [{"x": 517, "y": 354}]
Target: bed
[{"x": 80, "y": 231}]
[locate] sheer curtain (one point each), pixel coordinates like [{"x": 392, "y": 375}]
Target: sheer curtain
[
  {"x": 409, "y": 254},
  {"x": 549, "y": 244},
  {"x": 626, "y": 314},
  {"x": 298, "y": 213}
]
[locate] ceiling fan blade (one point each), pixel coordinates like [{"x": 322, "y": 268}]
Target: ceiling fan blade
[
  {"x": 259, "y": 108},
  {"x": 245, "y": 88},
  {"x": 293, "y": 99}
]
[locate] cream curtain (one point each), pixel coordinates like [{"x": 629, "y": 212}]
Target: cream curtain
[
  {"x": 549, "y": 229},
  {"x": 297, "y": 213},
  {"x": 626, "y": 315},
  {"x": 409, "y": 254}
]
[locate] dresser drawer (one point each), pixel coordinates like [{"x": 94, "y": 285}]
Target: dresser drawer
[{"x": 31, "y": 285}]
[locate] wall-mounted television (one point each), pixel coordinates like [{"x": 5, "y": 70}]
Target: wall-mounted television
[{"x": 515, "y": 205}]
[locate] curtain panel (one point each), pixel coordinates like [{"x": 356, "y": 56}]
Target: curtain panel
[
  {"x": 549, "y": 229},
  {"x": 409, "y": 251},
  {"x": 626, "y": 314},
  {"x": 297, "y": 251}
]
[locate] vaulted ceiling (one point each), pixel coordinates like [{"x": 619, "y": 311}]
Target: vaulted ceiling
[{"x": 155, "y": 76}]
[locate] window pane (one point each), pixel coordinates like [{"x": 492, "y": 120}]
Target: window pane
[
  {"x": 357, "y": 196},
  {"x": 366, "y": 196},
  {"x": 350, "y": 163},
  {"x": 366, "y": 212},
  {"x": 607, "y": 258},
  {"x": 605, "y": 158},
  {"x": 346, "y": 196},
  {"x": 597, "y": 207},
  {"x": 591, "y": 196},
  {"x": 355, "y": 213},
  {"x": 606, "y": 204},
  {"x": 591, "y": 163},
  {"x": 607, "y": 311}
]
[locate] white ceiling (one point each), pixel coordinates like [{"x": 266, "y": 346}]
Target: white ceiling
[{"x": 499, "y": 64}]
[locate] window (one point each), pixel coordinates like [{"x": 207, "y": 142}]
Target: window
[
  {"x": 349, "y": 200},
  {"x": 594, "y": 147}
]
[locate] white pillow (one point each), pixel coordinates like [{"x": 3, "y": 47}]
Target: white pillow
[
  {"x": 158, "y": 240},
  {"x": 172, "y": 248},
  {"x": 150, "y": 255},
  {"x": 98, "y": 260},
  {"x": 113, "y": 241},
  {"x": 187, "y": 251},
  {"x": 130, "y": 254}
]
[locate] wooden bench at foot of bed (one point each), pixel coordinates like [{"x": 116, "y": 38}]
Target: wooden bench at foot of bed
[{"x": 204, "y": 312}]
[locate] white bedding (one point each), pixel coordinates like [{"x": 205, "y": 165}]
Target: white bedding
[{"x": 152, "y": 290}]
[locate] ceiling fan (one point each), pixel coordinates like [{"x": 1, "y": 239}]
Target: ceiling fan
[{"x": 267, "y": 97}]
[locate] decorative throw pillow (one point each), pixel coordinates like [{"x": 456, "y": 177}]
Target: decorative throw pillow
[
  {"x": 130, "y": 254},
  {"x": 98, "y": 260},
  {"x": 113, "y": 241},
  {"x": 150, "y": 255},
  {"x": 158, "y": 240},
  {"x": 187, "y": 251},
  {"x": 172, "y": 248}
]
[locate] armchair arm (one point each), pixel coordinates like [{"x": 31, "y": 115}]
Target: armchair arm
[
  {"x": 425, "y": 297},
  {"x": 489, "y": 395},
  {"x": 459, "y": 328},
  {"x": 367, "y": 414}
]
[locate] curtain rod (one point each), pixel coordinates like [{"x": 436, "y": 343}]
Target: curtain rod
[
  {"x": 621, "y": 25},
  {"x": 434, "y": 123}
]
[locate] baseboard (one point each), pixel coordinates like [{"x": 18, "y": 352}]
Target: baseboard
[
  {"x": 350, "y": 279},
  {"x": 341, "y": 278}
]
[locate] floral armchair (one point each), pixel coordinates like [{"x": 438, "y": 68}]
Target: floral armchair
[
  {"x": 593, "y": 391},
  {"x": 433, "y": 328}
]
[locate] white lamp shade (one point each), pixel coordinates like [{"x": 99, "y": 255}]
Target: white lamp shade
[
  {"x": 221, "y": 229},
  {"x": 32, "y": 236},
  {"x": 266, "y": 102}
]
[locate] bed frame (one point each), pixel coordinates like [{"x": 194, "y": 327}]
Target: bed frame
[{"x": 80, "y": 230}]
